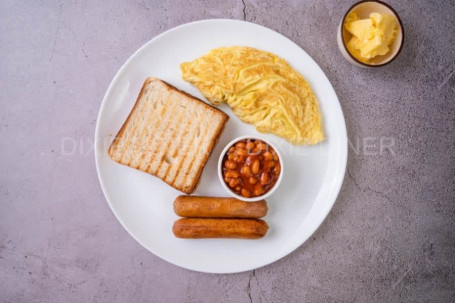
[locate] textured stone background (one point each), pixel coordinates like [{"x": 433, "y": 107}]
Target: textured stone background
[{"x": 389, "y": 238}]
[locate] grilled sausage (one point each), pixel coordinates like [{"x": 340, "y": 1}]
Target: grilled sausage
[
  {"x": 214, "y": 207},
  {"x": 195, "y": 228}
]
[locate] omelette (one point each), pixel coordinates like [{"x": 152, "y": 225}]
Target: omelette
[{"x": 261, "y": 88}]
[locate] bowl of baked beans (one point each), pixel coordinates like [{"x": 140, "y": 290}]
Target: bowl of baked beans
[{"x": 250, "y": 169}]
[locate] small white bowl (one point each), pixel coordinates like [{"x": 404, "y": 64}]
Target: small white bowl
[
  {"x": 363, "y": 10},
  {"x": 220, "y": 170}
]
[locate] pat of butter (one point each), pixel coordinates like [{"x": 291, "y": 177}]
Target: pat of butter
[{"x": 370, "y": 37}]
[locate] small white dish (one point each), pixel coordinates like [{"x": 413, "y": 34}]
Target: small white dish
[
  {"x": 363, "y": 10},
  {"x": 230, "y": 191}
]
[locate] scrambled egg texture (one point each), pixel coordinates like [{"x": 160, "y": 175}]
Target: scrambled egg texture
[{"x": 261, "y": 88}]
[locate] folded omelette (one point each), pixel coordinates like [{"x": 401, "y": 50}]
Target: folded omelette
[{"x": 261, "y": 88}]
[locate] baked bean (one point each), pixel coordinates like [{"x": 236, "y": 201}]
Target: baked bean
[
  {"x": 277, "y": 169},
  {"x": 246, "y": 171},
  {"x": 240, "y": 144},
  {"x": 234, "y": 182},
  {"x": 232, "y": 174},
  {"x": 241, "y": 152},
  {"x": 262, "y": 146},
  {"x": 231, "y": 157},
  {"x": 231, "y": 149},
  {"x": 253, "y": 180},
  {"x": 258, "y": 190},
  {"x": 230, "y": 164},
  {"x": 265, "y": 178},
  {"x": 268, "y": 155},
  {"x": 238, "y": 188},
  {"x": 249, "y": 145},
  {"x": 269, "y": 164},
  {"x": 246, "y": 193},
  {"x": 255, "y": 167},
  {"x": 227, "y": 179},
  {"x": 275, "y": 156},
  {"x": 236, "y": 159}
]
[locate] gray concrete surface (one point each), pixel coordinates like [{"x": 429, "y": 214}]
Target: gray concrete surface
[{"x": 389, "y": 238}]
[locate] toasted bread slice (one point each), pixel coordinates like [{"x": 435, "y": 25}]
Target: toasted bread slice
[{"x": 169, "y": 134}]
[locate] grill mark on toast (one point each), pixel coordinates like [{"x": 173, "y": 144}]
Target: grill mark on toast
[
  {"x": 196, "y": 154},
  {"x": 175, "y": 131},
  {"x": 139, "y": 145},
  {"x": 194, "y": 149},
  {"x": 167, "y": 170},
  {"x": 140, "y": 161},
  {"x": 148, "y": 128},
  {"x": 152, "y": 126},
  {"x": 180, "y": 171},
  {"x": 162, "y": 124},
  {"x": 174, "y": 144},
  {"x": 172, "y": 125},
  {"x": 152, "y": 136},
  {"x": 215, "y": 138},
  {"x": 171, "y": 102},
  {"x": 174, "y": 153},
  {"x": 131, "y": 129},
  {"x": 176, "y": 147},
  {"x": 120, "y": 143},
  {"x": 126, "y": 153}
]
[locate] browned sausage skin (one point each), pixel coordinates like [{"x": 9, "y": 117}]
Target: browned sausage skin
[
  {"x": 216, "y": 207},
  {"x": 197, "y": 228}
]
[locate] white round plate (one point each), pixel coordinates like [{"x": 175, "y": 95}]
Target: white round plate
[{"x": 144, "y": 204}]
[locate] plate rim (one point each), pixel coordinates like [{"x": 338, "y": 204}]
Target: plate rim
[{"x": 339, "y": 180}]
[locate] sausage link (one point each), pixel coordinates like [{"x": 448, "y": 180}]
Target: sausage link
[
  {"x": 215, "y": 207},
  {"x": 196, "y": 228}
]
